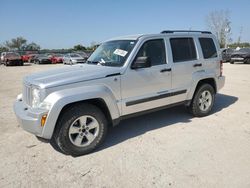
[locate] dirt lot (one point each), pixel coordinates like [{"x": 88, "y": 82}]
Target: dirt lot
[{"x": 168, "y": 148}]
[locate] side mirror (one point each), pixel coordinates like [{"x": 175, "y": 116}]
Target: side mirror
[{"x": 141, "y": 62}]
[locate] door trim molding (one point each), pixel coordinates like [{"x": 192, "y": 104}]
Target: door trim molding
[{"x": 138, "y": 101}]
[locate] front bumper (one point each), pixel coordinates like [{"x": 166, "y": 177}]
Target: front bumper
[
  {"x": 220, "y": 82},
  {"x": 28, "y": 118},
  {"x": 237, "y": 59}
]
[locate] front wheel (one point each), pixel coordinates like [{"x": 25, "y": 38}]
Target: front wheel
[
  {"x": 80, "y": 129},
  {"x": 203, "y": 101}
]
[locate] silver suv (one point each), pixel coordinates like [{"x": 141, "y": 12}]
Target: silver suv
[{"x": 74, "y": 106}]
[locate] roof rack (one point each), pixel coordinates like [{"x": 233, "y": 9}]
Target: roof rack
[{"x": 185, "y": 31}]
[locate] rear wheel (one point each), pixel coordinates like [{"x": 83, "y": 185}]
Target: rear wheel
[
  {"x": 231, "y": 62},
  {"x": 80, "y": 129},
  {"x": 202, "y": 101}
]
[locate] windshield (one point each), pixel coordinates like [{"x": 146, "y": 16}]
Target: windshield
[
  {"x": 112, "y": 53},
  {"x": 74, "y": 55},
  {"x": 58, "y": 55},
  {"x": 42, "y": 55}
]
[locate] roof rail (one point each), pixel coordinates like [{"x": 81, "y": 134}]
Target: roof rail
[{"x": 185, "y": 31}]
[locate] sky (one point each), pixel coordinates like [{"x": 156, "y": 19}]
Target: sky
[{"x": 64, "y": 23}]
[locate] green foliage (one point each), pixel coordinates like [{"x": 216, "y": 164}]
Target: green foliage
[
  {"x": 16, "y": 43},
  {"x": 32, "y": 47},
  {"x": 3, "y": 48},
  {"x": 79, "y": 47}
]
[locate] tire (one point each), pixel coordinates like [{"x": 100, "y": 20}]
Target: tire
[
  {"x": 231, "y": 62},
  {"x": 203, "y": 101},
  {"x": 75, "y": 140}
]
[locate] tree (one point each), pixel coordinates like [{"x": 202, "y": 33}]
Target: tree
[
  {"x": 219, "y": 23},
  {"x": 32, "y": 46},
  {"x": 93, "y": 46},
  {"x": 3, "y": 48},
  {"x": 16, "y": 43},
  {"x": 79, "y": 47}
]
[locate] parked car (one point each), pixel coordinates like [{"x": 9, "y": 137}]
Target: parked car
[
  {"x": 242, "y": 55},
  {"x": 226, "y": 54},
  {"x": 73, "y": 58},
  {"x": 32, "y": 57},
  {"x": 84, "y": 55},
  {"x": 126, "y": 76},
  {"x": 42, "y": 59},
  {"x": 3, "y": 54},
  {"x": 57, "y": 58},
  {"x": 12, "y": 58}
]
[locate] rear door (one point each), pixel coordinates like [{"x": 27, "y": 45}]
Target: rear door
[{"x": 185, "y": 64}]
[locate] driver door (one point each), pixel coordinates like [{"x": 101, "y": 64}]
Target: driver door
[{"x": 147, "y": 88}]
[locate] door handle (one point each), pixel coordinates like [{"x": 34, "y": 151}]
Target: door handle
[
  {"x": 197, "y": 65},
  {"x": 166, "y": 70}
]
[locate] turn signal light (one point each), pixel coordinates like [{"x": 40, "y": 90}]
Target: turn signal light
[{"x": 43, "y": 120}]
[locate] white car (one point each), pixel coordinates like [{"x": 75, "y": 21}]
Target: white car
[
  {"x": 73, "y": 106},
  {"x": 73, "y": 58}
]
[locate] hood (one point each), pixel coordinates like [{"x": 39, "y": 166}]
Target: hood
[{"x": 69, "y": 75}]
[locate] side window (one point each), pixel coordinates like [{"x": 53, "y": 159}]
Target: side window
[
  {"x": 155, "y": 50},
  {"x": 208, "y": 48},
  {"x": 183, "y": 49}
]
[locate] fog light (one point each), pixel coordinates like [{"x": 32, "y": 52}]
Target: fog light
[{"x": 43, "y": 120}]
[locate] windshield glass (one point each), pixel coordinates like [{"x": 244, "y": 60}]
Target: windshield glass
[
  {"x": 42, "y": 55},
  {"x": 74, "y": 55},
  {"x": 112, "y": 53}
]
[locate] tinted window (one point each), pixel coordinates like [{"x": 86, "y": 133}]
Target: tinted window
[
  {"x": 208, "y": 48},
  {"x": 155, "y": 50},
  {"x": 183, "y": 49}
]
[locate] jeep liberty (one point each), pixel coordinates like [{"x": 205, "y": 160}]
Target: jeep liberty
[{"x": 73, "y": 106}]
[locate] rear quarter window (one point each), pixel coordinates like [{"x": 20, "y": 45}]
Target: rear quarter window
[{"x": 208, "y": 48}]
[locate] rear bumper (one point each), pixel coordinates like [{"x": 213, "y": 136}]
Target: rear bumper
[
  {"x": 29, "y": 119},
  {"x": 220, "y": 82}
]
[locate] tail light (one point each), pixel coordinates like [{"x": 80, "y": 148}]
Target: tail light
[{"x": 221, "y": 67}]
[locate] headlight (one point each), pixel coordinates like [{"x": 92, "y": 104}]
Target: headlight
[
  {"x": 36, "y": 97},
  {"x": 74, "y": 60}
]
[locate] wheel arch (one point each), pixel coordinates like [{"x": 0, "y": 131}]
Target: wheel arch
[
  {"x": 210, "y": 80},
  {"x": 100, "y": 96}
]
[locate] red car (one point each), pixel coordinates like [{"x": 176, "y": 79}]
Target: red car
[
  {"x": 25, "y": 58},
  {"x": 57, "y": 58},
  {"x": 28, "y": 56},
  {"x": 12, "y": 58}
]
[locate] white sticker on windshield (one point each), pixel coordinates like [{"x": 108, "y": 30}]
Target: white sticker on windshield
[{"x": 120, "y": 52}]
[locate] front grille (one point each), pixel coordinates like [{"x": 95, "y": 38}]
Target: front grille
[{"x": 27, "y": 95}]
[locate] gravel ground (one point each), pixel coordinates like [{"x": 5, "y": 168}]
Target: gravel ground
[{"x": 168, "y": 148}]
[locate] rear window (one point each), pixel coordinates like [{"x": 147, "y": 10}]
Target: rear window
[
  {"x": 183, "y": 49},
  {"x": 208, "y": 48}
]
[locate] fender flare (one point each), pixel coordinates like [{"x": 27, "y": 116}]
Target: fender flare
[
  {"x": 60, "y": 99},
  {"x": 197, "y": 77}
]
